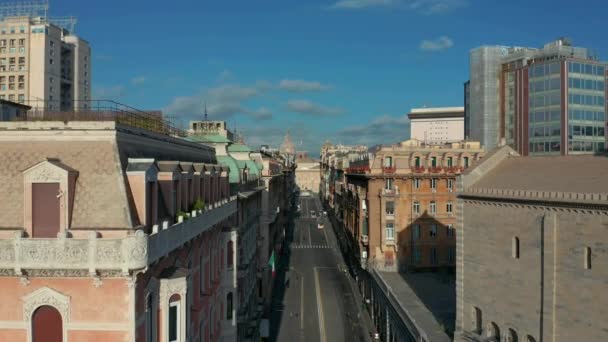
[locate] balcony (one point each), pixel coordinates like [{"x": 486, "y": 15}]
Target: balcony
[
  {"x": 435, "y": 169},
  {"x": 454, "y": 169},
  {"x": 357, "y": 169},
  {"x": 133, "y": 252},
  {"x": 389, "y": 169},
  {"x": 389, "y": 192},
  {"x": 418, "y": 169}
]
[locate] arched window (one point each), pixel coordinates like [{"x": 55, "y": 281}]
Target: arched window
[
  {"x": 494, "y": 331},
  {"x": 230, "y": 254},
  {"x": 587, "y": 258},
  {"x": 530, "y": 339},
  {"x": 47, "y": 325},
  {"x": 515, "y": 248},
  {"x": 476, "y": 320},
  {"x": 229, "y": 306},
  {"x": 174, "y": 318},
  {"x": 512, "y": 336}
]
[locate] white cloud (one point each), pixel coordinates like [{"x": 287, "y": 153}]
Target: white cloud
[
  {"x": 437, "y": 6},
  {"x": 378, "y": 131},
  {"x": 225, "y": 76},
  {"x": 422, "y": 6},
  {"x": 296, "y": 86},
  {"x": 223, "y": 101},
  {"x": 361, "y": 4},
  {"x": 309, "y": 108},
  {"x": 439, "y": 44},
  {"x": 137, "y": 81}
]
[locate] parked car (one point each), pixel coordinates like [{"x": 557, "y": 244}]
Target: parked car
[
  {"x": 313, "y": 214},
  {"x": 320, "y": 225}
]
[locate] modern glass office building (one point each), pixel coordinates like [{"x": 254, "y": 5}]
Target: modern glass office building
[{"x": 547, "y": 101}]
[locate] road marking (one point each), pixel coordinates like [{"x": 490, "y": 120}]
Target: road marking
[
  {"x": 302, "y": 303},
  {"x": 320, "y": 307},
  {"x": 309, "y": 238}
]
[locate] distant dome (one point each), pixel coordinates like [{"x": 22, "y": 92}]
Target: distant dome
[{"x": 287, "y": 146}]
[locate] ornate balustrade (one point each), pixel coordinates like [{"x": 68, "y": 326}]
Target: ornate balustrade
[{"x": 94, "y": 254}]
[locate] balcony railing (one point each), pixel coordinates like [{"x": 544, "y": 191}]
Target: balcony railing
[
  {"x": 389, "y": 169},
  {"x": 133, "y": 252},
  {"x": 454, "y": 169},
  {"x": 357, "y": 169},
  {"x": 98, "y": 110},
  {"x": 418, "y": 169},
  {"x": 389, "y": 192}
]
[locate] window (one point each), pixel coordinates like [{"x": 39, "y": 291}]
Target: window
[
  {"x": 433, "y": 231},
  {"x": 587, "y": 258},
  {"x": 416, "y": 183},
  {"x": 174, "y": 319},
  {"x": 450, "y": 230},
  {"x": 21, "y": 50},
  {"x": 448, "y": 207},
  {"x": 21, "y": 98},
  {"x": 51, "y": 61},
  {"x": 202, "y": 284},
  {"x": 21, "y": 42},
  {"x": 417, "y": 161},
  {"x": 434, "y": 184},
  {"x": 21, "y": 60},
  {"x": 476, "y": 320},
  {"x": 416, "y": 255},
  {"x": 515, "y": 248},
  {"x": 451, "y": 255},
  {"x": 388, "y": 183},
  {"x": 390, "y": 208},
  {"x": 2, "y": 50},
  {"x": 433, "y": 256},
  {"x": 390, "y": 231},
  {"x": 150, "y": 318},
  {"x": 450, "y": 185},
  {"x": 450, "y": 162},
  {"x": 512, "y": 337},
  {"x": 433, "y": 207},
  {"x": 11, "y": 97},
  {"x": 229, "y": 306},
  {"x": 230, "y": 254},
  {"x": 388, "y": 161},
  {"x": 21, "y": 78},
  {"x": 11, "y": 42},
  {"x": 416, "y": 207},
  {"x": 416, "y": 231},
  {"x": 466, "y": 161},
  {"x": 434, "y": 161}
]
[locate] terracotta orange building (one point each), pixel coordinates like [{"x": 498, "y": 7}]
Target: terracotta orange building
[
  {"x": 109, "y": 232},
  {"x": 399, "y": 209}
]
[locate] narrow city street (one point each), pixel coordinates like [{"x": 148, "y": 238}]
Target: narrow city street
[{"x": 314, "y": 298}]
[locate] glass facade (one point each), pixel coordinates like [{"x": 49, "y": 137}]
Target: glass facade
[
  {"x": 586, "y": 107},
  {"x": 544, "y": 115}
]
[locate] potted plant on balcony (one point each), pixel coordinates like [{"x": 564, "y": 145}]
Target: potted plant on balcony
[
  {"x": 182, "y": 216},
  {"x": 198, "y": 206}
]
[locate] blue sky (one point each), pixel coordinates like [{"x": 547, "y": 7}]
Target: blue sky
[{"x": 346, "y": 71}]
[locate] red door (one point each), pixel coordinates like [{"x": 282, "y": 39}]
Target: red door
[
  {"x": 47, "y": 325},
  {"x": 45, "y": 210}
]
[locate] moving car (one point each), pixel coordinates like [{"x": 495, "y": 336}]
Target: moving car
[{"x": 320, "y": 225}]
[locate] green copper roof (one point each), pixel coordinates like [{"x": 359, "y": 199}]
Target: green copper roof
[
  {"x": 251, "y": 166},
  {"x": 208, "y": 138},
  {"x": 235, "y": 173},
  {"x": 238, "y": 147}
]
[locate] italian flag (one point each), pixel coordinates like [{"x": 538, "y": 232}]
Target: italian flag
[{"x": 271, "y": 264}]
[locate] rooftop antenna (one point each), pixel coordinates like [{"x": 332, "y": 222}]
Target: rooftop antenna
[{"x": 206, "y": 116}]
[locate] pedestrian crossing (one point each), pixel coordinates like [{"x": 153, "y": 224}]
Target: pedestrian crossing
[{"x": 299, "y": 246}]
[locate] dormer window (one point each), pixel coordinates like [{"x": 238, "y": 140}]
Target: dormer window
[{"x": 49, "y": 187}]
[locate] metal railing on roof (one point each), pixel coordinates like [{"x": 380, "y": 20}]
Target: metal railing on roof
[{"x": 98, "y": 110}]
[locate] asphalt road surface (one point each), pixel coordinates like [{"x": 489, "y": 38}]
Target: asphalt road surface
[{"x": 313, "y": 298}]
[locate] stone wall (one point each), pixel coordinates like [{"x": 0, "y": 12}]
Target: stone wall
[{"x": 546, "y": 292}]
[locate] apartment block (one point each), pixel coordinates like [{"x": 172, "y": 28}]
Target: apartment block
[
  {"x": 548, "y": 101},
  {"x": 437, "y": 126},
  {"x": 531, "y": 249},
  {"x": 401, "y": 212},
  {"x": 42, "y": 62}
]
